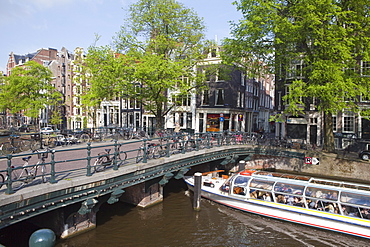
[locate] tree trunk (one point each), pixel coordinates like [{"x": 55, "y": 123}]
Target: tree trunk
[{"x": 328, "y": 133}]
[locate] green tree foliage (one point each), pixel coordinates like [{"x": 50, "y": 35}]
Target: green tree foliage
[
  {"x": 108, "y": 74},
  {"x": 163, "y": 40},
  {"x": 28, "y": 90},
  {"x": 331, "y": 37}
]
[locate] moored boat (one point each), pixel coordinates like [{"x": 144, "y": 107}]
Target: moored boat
[{"x": 327, "y": 204}]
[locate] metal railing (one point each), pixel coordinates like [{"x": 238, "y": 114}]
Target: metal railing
[{"x": 75, "y": 161}]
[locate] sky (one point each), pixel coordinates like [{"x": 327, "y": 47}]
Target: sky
[{"x": 28, "y": 25}]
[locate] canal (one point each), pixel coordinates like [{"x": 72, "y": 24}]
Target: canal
[{"x": 175, "y": 223}]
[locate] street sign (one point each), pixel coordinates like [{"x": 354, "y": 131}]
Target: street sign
[
  {"x": 221, "y": 119},
  {"x": 311, "y": 161}
]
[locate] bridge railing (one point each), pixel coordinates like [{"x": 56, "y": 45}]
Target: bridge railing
[{"x": 65, "y": 163}]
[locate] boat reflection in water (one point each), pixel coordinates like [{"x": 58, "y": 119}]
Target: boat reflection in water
[{"x": 327, "y": 204}]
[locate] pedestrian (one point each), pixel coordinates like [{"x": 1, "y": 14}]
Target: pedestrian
[{"x": 177, "y": 128}]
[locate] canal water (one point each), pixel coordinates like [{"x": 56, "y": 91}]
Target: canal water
[{"x": 174, "y": 223}]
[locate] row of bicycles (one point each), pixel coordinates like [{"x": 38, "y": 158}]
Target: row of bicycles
[
  {"x": 158, "y": 148},
  {"x": 27, "y": 173}
]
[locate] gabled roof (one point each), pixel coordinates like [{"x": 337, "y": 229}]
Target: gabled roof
[{"x": 24, "y": 58}]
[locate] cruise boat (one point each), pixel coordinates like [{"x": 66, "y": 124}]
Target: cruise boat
[{"x": 327, "y": 204}]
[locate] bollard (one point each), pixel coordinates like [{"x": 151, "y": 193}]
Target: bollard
[
  {"x": 197, "y": 190},
  {"x": 42, "y": 238}
]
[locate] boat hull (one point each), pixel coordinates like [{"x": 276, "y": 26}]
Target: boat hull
[{"x": 304, "y": 216}]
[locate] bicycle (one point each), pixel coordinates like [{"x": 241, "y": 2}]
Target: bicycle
[
  {"x": 49, "y": 140},
  {"x": 105, "y": 159},
  {"x": 26, "y": 173},
  {"x": 153, "y": 151},
  {"x": 21, "y": 145}
]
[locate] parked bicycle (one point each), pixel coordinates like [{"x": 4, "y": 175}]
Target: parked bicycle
[
  {"x": 15, "y": 145},
  {"x": 153, "y": 151},
  {"x": 105, "y": 159},
  {"x": 25, "y": 174},
  {"x": 49, "y": 140}
]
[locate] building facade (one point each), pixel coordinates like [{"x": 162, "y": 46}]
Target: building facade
[
  {"x": 60, "y": 65},
  {"x": 309, "y": 127}
]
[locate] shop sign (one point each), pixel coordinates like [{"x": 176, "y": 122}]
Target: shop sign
[{"x": 297, "y": 121}]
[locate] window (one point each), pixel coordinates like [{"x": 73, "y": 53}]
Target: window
[
  {"x": 189, "y": 120},
  {"x": 365, "y": 68},
  {"x": 364, "y": 98},
  {"x": 348, "y": 124},
  {"x": 238, "y": 102},
  {"x": 223, "y": 73},
  {"x": 205, "y": 100},
  {"x": 220, "y": 97},
  {"x": 181, "y": 120},
  {"x": 182, "y": 100},
  {"x": 214, "y": 52},
  {"x": 289, "y": 188},
  {"x": 334, "y": 123},
  {"x": 261, "y": 184}
]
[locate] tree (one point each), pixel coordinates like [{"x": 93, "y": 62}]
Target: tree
[
  {"x": 162, "y": 42},
  {"x": 331, "y": 37},
  {"x": 28, "y": 90}
]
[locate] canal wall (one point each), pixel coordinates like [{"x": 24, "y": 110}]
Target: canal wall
[{"x": 343, "y": 166}]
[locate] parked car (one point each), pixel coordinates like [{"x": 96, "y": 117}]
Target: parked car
[
  {"x": 365, "y": 154},
  {"x": 357, "y": 146},
  {"x": 26, "y": 128},
  {"x": 47, "y": 130}
]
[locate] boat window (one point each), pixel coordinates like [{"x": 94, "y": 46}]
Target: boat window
[
  {"x": 226, "y": 186},
  {"x": 290, "y": 200},
  {"x": 262, "y": 195},
  {"x": 322, "y": 193},
  {"x": 241, "y": 180},
  {"x": 353, "y": 211},
  {"x": 364, "y": 213},
  {"x": 355, "y": 198},
  {"x": 289, "y": 188},
  {"x": 239, "y": 190},
  {"x": 261, "y": 184}
]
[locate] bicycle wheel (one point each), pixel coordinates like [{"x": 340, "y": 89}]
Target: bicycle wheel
[
  {"x": 1, "y": 180},
  {"x": 24, "y": 145},
  {"x": 7, "y": 148},
  {"x": 35, "y": 145},
  {"x": 101, "y": 163},
  {"x": 150, "y": 153},
  {"x": 156, "y": 153},
  {"x": 162, "y": 152},
  {"x": 84, "y": 138},
  {"x": 18, "y": 178},
  {"x": 43, "y": 173},
  {"x": 139, "y": 156},
  {"x": 121, "y": 158}
]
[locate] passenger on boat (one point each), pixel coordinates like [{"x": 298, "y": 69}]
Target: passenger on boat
[
  {"x": 313, "y": 204},
  {"x": 365, "y": 213},
  {"x": 267, "y": 197},
  {"x": 254, "y": 194},
  {"x": 239, "y": 190},
  {"x": 318, "y": 194},
  {"x": 330, "y": 208},
  {"x": 280, "y": 199},
  {"x": 298, "y": 202},
  {"x": 290, "y": 200},
  {"x": 344, "y": 210},
  {"x": 333, "y": 196}
]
